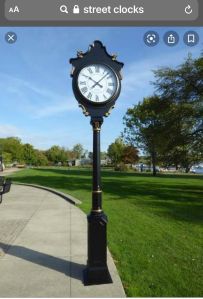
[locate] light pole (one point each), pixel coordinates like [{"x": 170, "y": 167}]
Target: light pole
[{"x": 96, "y": 85}]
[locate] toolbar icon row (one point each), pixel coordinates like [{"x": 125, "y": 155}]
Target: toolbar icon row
[{"x": 171, "y": 38}]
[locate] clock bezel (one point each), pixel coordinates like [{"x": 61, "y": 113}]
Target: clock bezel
[{"x": 78, "y": 93}]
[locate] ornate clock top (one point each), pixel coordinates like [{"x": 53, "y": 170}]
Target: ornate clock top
[{"x": 96, "y": 51}]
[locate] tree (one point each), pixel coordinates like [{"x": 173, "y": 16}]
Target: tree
[
  {"x": 84, "y": 154},
  {"x": 71, "y": 155},
  {"x": 130, "y": 154},
  {"x": 41, "y": 159},
  {"x": 7, "y": 158},
  {"x": 57, "y": 154},
  {"x": 168, "y": 125},
  {"x": 13, "y": 146},
  {"x": 63, "y": 155},
  {"x": 90, "y": 155},
  {"x": 78, "y": 150},
  {"x": 29, "y": 155},
  {"x": 183, "y": 88},
  {"x": 115, "y": 151},
  {"x": 103, "y": 155},
  {"x": 146, "y": 127}
]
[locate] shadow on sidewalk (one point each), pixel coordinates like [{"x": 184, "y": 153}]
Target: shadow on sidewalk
[{"x": 69, "y": 268}]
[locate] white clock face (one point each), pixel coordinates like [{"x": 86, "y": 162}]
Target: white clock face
[{"x": 97, "y": 83}]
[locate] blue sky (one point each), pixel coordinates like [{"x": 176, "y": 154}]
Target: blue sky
[{"x": 36, "y": 100}]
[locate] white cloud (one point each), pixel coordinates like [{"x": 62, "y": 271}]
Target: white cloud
[
  {"x": 35, "y": 100},
  {"x": 57, "y": 108},
  {"x": 9, "y": 131}
]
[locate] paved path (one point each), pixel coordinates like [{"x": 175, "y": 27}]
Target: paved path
[
  {"x": 43, "y": 248},
  {"x": 9, "y": 171}
]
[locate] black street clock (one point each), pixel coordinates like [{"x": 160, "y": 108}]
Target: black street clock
[
  {"x": 96, "y": 80},
  {"x": 96, "y": 86}
]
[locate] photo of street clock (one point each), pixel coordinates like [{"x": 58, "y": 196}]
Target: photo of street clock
[{"x": 98, "y": 83}]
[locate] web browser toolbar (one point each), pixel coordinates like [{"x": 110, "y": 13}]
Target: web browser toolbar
[{"x": 92, "y": 12}]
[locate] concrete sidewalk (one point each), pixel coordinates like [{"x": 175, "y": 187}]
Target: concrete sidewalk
[
  {"x": 43, "y": 248},
  {"x": 9, "y": 171}
]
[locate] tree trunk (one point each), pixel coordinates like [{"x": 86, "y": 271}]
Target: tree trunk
[{"x": 154, "y": 163}]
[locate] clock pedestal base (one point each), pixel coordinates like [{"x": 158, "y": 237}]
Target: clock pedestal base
[
  {"x": 97, "y": 271},
  {"x": 96, "y": 276}
]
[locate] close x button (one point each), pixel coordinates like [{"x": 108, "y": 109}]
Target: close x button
[{"x": 11, "y": 37}]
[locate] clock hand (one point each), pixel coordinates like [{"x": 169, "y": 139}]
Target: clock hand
[
  {"x": 93, "y": 81},
  {"x": 97, "y": 83}
]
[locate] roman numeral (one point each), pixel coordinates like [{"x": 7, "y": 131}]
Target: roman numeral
[
  {"x": 82, "y": 83},
  {"x": 111, "y": 84},
  {"x": 84, "y": 89},
  {"x": 97, "y": 69},
  {"x": 89, "y": 96},
  {"x": 97, "y": 99},
  {"x": 109, "y": 77},
  {"x": 110, "y": 91},
  {"x": 90, "y": 70}
]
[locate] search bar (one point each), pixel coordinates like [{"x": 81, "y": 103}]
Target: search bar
[{"x": 106, "y": 10}]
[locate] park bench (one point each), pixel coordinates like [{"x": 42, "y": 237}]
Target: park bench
[
  {"x": 2, "y": 180},
  {"x": 5, "y": 188}
]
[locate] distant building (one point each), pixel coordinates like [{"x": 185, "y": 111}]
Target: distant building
[
  {"x": 79, "y": 162},
  {"x": 105, "y": 162},
  {"x": 75, "y": 162},
  {"x": 85, "y": 161}
]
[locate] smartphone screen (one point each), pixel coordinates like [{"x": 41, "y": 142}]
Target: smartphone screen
[{"x": 133, "y": 71}]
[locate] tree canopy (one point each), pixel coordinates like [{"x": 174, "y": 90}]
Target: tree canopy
[
  {"x": 118, "y": 152},
  {"x": 169, "y": 125},
  {"x": 14, "y": 151}
]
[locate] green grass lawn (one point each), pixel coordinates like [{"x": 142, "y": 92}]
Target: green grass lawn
[{"x": 154, "y": 230}]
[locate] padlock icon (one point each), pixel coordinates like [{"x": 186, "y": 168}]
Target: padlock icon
[{"x": 76, "y": 9}]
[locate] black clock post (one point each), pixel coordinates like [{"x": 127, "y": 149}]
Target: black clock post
[
  {"x": 1, "y": 155},
  {"x": 96, "y": 86}
]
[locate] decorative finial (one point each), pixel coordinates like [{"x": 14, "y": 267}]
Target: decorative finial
[
  {"x": 114, "y": 56},
  {"x": 80, "y": 54}
]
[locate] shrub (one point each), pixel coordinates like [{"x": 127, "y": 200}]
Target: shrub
[{"x": 121, "y": 167}]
